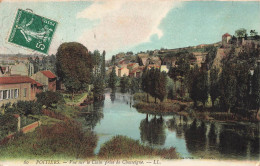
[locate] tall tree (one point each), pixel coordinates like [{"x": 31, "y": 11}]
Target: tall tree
[
  {"x": 160, "y": 87},
  {"x": 113, "y": 61},
  {"x": 173, "y": 74},
  {"x": 203, "y": 87},
  {"x": 152, "y": 81},
  {"x": 228, "y": 87},
  {"x": 103, "y": 66},
  {"x": 74, "y": 66},
  {"x": 256, "y": 87},
  {"x": 124, "y": 84},
  {"x": 194, "y": 89},
  {"x": 212, "y": 51},
  {"x": 99, "y": 87},
  {"x": 242, "y": 88},
  {"x": 134, "y": 85},
  {"x": 145, "y": 83},
  {"x": 112, "y": 79},
  {"x": 214, "y": 85}
]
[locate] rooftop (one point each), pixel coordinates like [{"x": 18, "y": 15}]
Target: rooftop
[
  {"x": 48, "y": 74},
  {"x": 18, "y": 80}
]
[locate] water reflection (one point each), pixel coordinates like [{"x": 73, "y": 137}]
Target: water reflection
[
  {"x": 178, "y": 124},
  {"x": 232, "y": 143},
  {"x": 112, "y": 96},
  {"x": 152, "y": 131},
  {"x": 195, "y": 136},
  {"x": 191, "y": 137},
  {"x": 216, "y": 140},
  {"x": 212, "y": 136},
  {"x": 93, "y": 113}
]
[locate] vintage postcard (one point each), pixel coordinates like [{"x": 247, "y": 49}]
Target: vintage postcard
[{"x": 129, "y": 82}]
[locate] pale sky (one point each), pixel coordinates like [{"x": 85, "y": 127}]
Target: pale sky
[{"x": 134, "y": 25}]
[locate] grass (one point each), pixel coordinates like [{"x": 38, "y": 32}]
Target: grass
[
  {"x": 124, "y": 147},
  {"x": 78, "y": 98}
]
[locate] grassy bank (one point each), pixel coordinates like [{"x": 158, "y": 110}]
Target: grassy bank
[
  {"x": 61, "y": 140},
  {"x": 124, "y": 147},
  {"x": 61, "y": 137},
  {"x": 77, "y": 99},
  {"x": 185, "y": 109}
]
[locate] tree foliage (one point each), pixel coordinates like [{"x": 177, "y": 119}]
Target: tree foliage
[
  {"x": 112, "y": 79},
  {"x": 74, "y": 66},
  {"x": 228, "y": 83},
  {"x": 125, "y": 84},
  {"x": 256, "y": 87},
  {"x": 154, "y": 83},
  {"x": 214, "y": 90},
  {"x": 49, "y": 98},
  {"x": 99, "y": 88},
  {"x": 240, "y": 33}
]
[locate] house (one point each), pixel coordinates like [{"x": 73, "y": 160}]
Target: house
[
  {"x": 153, "y": 66},
  {"x": 164, "y": 68},
  {"x": 47, "y": 79},
  {"x": 153, "y": 60},
  {"x": 23, "y": 69},
  {"x": 226, "y": 39},
  {"x": 111, "y": 68},
  {"x": 123, "y": 72},
  {"x": 2, "y": 71},
  {"x": 132, "y": 66},
  {"x": 15, "y": 88},
  {"x": 142, "y": 57},
  {"x": 136, "y": 72}
]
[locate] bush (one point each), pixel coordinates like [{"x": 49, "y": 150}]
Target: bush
[
  {"x": 124, "y": 147},
  {"x": 50, "y": 99},
  {"x": 69, "y": 138},
  {"x": 25, "y": 108},
  {"x": 63, "y": 140},
  {"x": 8, "y": 122}
]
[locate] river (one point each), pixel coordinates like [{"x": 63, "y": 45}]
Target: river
[{"x": 192, "y": 138}]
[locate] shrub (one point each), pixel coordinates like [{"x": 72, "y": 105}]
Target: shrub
[
  {"x": 50, "y": 99},
  {"x": 124, "y": 147},
  {"x": 63, "y": 140},
  {"x": 67, "y": 137},
  {"x": 25, "y": 108},
  {"x": 8, "y": 122}
]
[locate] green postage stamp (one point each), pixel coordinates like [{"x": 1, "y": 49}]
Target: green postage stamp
[{"x": 32, "y": 31}]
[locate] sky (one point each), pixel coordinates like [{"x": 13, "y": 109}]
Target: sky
[{"x": 134, "y": 25}]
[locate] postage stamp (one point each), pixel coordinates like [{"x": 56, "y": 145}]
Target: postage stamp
[{"x": 32, "y": 31}]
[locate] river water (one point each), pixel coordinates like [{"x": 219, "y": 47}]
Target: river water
[{"x": 192, "y": 138}]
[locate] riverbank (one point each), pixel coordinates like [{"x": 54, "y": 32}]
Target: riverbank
[
  {"x": 186, "y": 109},
  {"x": 61, "y": 136}
]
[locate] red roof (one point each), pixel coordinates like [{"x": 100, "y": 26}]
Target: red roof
[
  {"x": 132, "y": 64},
  {"x": 226, "y": 35},
  {"x": 18, "y": 80},
  {"x": 48, "y": 74}
]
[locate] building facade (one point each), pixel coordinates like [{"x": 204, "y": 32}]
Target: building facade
[
  {"x": 123, "y": 72},
  {"x": 18, "y": 88},
  {"x": 47, "y": 79}
]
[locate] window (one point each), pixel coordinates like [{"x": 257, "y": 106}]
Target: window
[
  {"x": 5, "y": 94},
  {"x": 16, "y": 93},
  {"x": 12, "y": 94},
  {"x": 1, "y": 95},
  {"x": 25, "y": 92}
]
